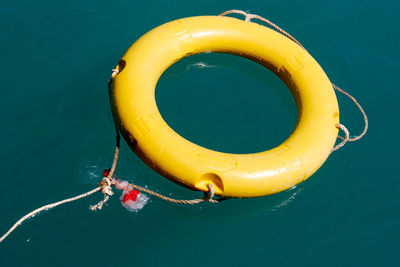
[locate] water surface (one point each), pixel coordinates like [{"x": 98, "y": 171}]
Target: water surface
[{"x": 57, "y": 136}]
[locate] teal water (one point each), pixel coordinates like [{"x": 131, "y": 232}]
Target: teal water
[{"x": 57, "y": 136}]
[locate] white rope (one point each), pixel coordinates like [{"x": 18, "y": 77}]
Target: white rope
[
  {"x": 114, "y": 73},
  {"x": 345, "y": 139},
  {"x": 105, "y": 188},
  {"x": 46, "y": 207}
]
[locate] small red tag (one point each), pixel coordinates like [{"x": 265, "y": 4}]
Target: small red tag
[
  {"x": 130, "y": 195},
  {"x": 106, "y": 172}
]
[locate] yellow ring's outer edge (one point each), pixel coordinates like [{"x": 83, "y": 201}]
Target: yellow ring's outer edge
[{"x": 234, "y": 175}]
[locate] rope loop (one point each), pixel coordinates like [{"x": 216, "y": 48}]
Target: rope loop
[
  {"x": 365, "y": 118},
  {"x": 105, "y": 188},
  {"x": 345, "y": 139},
  {"x": 210, "y": 194},
  {"x": 114, "y": 73}
]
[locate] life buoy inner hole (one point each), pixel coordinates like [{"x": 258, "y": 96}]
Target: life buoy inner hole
[{"x": 226, "y": 103}]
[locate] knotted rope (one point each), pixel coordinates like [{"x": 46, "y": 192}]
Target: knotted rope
[
  {"x": 248, "y": 17},
  {"x": 105, "y": 188}
]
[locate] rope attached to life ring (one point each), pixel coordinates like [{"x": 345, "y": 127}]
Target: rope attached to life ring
[{"x": 105, "y": 186}]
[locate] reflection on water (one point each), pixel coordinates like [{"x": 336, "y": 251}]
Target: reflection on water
[
  {"x": 288, "y": 200},
  {"x": 90, "y": 171},
  {"x": 199, "y": 65}
]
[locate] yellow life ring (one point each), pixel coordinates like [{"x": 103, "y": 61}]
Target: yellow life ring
[{"x": 232, "y": 175}]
